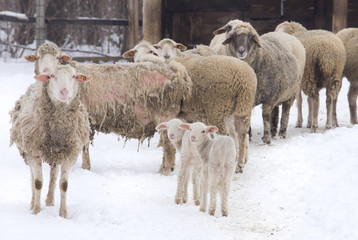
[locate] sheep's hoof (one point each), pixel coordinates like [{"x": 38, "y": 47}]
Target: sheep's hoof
[
  {"x": 212, "y": 212},
  {"x": 63, "y": 214},
  {"x": 50, "y": 203},
  {"x": 197, "y": 202},
  {"x": 282, "y": 134},
  {"x": 266, "y": 139},
  {"x": 178, "y": 201},
  {"x": 36, "y": 210},
  {"x": 239, "y": 169},
  {"x": 165, "y": 170},
  {"x": 314, "y": 129},
  {"x": 185, "y": 200},
  {"x": 309, "y": 124},
  {"x": 224, "y": 213},
  {"x": 202, "y": 209},
  {"x": 298, "y": 125}
]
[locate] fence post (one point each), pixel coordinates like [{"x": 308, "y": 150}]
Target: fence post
[
  {"x": 133, "y": 22},
  {"x": 339, "y": 19},
  {"x": 40, "y": 23},
  {"x": 152, "y": 20}
]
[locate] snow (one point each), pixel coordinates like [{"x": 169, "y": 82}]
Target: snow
[
  {"x": 14, "y": 14},
  {"x": 301, "y": 187}
]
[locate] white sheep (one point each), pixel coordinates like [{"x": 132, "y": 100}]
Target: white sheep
[
  {"x": 47, "y": 57},
  {"x": 189, "y": 158},
  {"x": 169, "y": 48},
  {"x": 218, "y": 157},
  {"x": 50, "y": 124},
  {"x": 144, "y": 52}
]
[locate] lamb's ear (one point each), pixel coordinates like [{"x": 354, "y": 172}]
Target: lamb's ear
[
  {"x": 129, "y": 53},
  {"x": 42, "y": 77},
  {"x": 156, "y": 46},
  {"x": 184, "y": 126},
  {"x": 82, "y": 78},
  {"x": 181, "y": 47},
  {"x": 161, "y": 126},
  {"x": 31, "y": 58},
  {"x": 65, "y": 58},
  {"x": 212, "y": 129}
]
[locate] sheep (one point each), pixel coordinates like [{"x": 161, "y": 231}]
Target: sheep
[
  {"x": 50, "y": 124},
  {"x": 169, "y": 48},
  {"x": 188, "y": 158},
  {"x": 130, "y": 99},
  {"x": 349, "y": 37},
  {"x": 222, "y": 87},
  {"x": 325, "y": 59},
  {"x": 278, "y": 60},
  {"x": 144, "y": 52},
  {"x": 218, "y": 159},
  {"x": 47, "y": 57}
]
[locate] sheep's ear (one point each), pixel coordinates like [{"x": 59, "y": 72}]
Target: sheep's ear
[
  {"x": 220, "y": 30},
  {"x": 42, "y": 77},
  {"x": 161, "y": 126},
  {"x": 180, "y": 46},
  {"x": 31, "y": 58},
  {"x": 184, "y": 126},
  {"x": 156, "y": 46},
  {"x": 65, "y": 58},
  {"x": 212, "y": 129},
  {"x": 227, "y": 40},
  {"x": 129, "y": 53},
  {"x": 82, "y": 78},
  {"x": 256, "y": 39}
]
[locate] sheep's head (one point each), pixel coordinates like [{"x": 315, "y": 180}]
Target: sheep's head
[
  {"x": 169, "y": 48},
  {"x": 290, "y": 28},
  {"x": 227, "y": 27},
  {"x": 175, "y": 134},
  {"x": 198, "y": 131},
  {"x": 47, "y": 57},
  {"x": 243, "y": 40},
  {"x": 62, "y": 82},
  {"x": 144, "y": 52}
]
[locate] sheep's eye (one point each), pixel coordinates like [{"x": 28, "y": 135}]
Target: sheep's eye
[
  {"x": 74, "y": 76},
  {"x": 250, "y": 36},
  {"x": 52, "y": 76},
  {"x": 57, "y": 57},
  {"x": 203, "y": 131}
]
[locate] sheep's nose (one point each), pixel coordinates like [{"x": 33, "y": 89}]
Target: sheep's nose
[
  {"x": 45, "y": 69},
  {"x": 193, "y": 138},
  {"x": 64, "y": 91},
  {"x": 166, "y": 56},
  {"x": 241, "y": 49},
  {"x": 171, "y": 136}
]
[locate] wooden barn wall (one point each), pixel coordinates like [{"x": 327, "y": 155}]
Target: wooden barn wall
[{"x": 193, "y": 21}]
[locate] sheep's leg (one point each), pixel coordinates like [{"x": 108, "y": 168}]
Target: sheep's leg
[
  {"x": 181, "y": 179},
  {"x": 352, "y": 100},
  {"x": 310, "y": 112},
  {"x": 274, "y": 121},
  {"x": 242, "y": 125},
  {"x": 286, "y": 106},
  {"x": 299, "y": 110},
  {"x": 36, "y": 182},
  {"x": 225, "y": 189},
  {"x": 315, "y": 109},
  {"x": 334, "y": 113},
  {"x": 204, "y": 181},
  {"x": 86, "y": 163},
  {"x": 65, "y": 171},
  {"x": 52, "y": 185},
  {"x": 266, "y": 116},
  {"x": 168, "y": 163},
  {"x": 186, "y": 182},
  {"x": 214, "y": 178},
  {"x": 195, "y": 178},
  {"x": 329, "y": 106}
]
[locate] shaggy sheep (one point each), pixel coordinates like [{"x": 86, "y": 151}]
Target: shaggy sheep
[
  {"x": 325, "y": 59},
  {"x": 222, "y": 87},
  {"x": 188, "y": 158},
  {"x": 130, "y": 99},
  {"x": 278, "y": 60},
  {"x": 47, "y": 57},
  {"x": 349, "y": 37},
  {"x": 169, "y": 48},
  {"x": 144, "y": 52},
  {"x": 218, "y": 159},
  {"x": 50, "y": 124}
]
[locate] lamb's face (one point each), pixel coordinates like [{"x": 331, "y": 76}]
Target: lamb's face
[
  {"x": 63, "y": 82},
  {"x": 48, "y": 62},
  {"x": 175, "y": 134},
  {"x": 242, "y": 42},
  {"x": 198, "y": 132},
  {"x": 169, "y": 48}
]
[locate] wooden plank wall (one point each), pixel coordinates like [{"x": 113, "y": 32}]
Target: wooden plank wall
[{"x": 192, "y": 22}]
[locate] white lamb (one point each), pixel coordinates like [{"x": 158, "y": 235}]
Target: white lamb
[
  {"x": 189, "y": 157},
  {"x": 144, "y": 52},
  {"x": 218, "y": 157}
]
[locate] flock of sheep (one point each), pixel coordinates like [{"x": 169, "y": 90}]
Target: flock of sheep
[{"x": 191, "y": 94}]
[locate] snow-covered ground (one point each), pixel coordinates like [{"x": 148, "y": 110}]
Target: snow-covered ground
[{"x": 302, "y": 187}]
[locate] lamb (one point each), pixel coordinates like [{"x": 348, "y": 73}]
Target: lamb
[
  {"x": 188, "y": 158},
  {"x": 50, "y": 124},
  {"x": 169, "y": 48},
  {"x": 349, "y": 37},
  {"x": 218, "y": 158},
  {"x": 143, "y": 52},
  {"x": 223, "y": 87},
  {"x": 325, "y": 60},
  {"x": 130, "y": 99},
  {"x": 47, "y": 57},
  {"x": 278, "y": 60}
]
